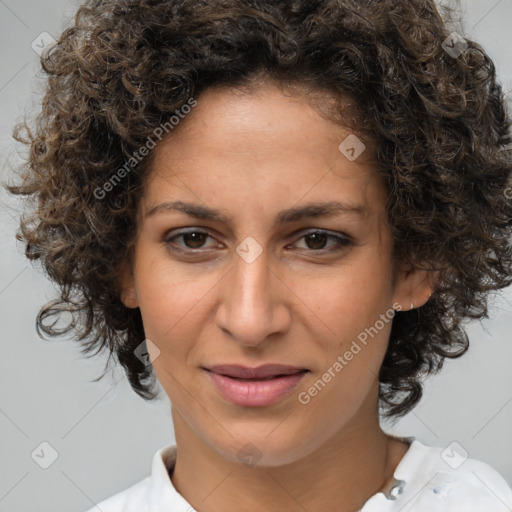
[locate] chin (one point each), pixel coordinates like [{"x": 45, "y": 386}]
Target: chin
[{"x": 263, "y": 450}]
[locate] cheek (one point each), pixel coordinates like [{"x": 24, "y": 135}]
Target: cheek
[
  {"x": 170, "y": 300},
  {"x": 170, "y": 306},
  {"x": 348, "y": 298}
]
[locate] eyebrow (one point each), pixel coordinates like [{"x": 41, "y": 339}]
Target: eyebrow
[{"x": 328, "y": 209}]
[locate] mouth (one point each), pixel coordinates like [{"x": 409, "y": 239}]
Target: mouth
[
  {"x": 259, "y": 379},
  {"x": 257, "y": 390},
  {"x": 260, "y": 372}
]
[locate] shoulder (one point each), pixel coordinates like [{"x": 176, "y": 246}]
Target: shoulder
[
  {"x": 154, "y": 493},
  {"x": 448, "y": 480},
  {"x": 132, "y": 499}
]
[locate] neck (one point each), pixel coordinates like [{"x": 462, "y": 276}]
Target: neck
[{"x": 350, "y": 468}]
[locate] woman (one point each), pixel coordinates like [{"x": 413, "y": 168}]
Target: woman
[{"x": 283, "y": 211}]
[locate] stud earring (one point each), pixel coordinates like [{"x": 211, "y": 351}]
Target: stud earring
[{"x": 412, "y": 305}]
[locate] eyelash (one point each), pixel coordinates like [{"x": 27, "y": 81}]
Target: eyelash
[{"x": 342, "y": 241}]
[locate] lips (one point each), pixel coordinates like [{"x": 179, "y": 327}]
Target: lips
[
  {"x": 266, "y": 371},
  {"x": 255, "y": 387}
]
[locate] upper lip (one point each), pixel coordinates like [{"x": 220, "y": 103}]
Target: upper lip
[{"x": 244, "y": 372}]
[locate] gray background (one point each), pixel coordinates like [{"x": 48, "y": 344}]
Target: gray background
[{"x": 104, "y": 434}]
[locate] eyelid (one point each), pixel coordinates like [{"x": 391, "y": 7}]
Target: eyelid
[
  {"x": 342, "y": 240},
  {"x": 168, "y": 237},
  {"x": 328, "y": 232}
]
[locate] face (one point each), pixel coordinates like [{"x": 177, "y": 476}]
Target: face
[{"x": 247, "y": 275}]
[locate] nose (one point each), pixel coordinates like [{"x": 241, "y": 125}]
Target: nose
[{"x": 253, "y": 304}]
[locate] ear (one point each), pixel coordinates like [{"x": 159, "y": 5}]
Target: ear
[
  {"x": 128, "y": 294},
  {"x": 413, "y": 287}
]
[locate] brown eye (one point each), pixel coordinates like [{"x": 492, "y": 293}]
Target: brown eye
[
  {"x": 191, "y": 240},
  {"x": 316, "y": 241},
  {"x": 194, "y": 239}
]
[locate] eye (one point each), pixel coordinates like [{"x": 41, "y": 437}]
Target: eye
[
  {"x": 316, "y": 240},
  {"x": 193, "y": 239}
]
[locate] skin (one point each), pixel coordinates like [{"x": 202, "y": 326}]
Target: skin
[{"x": 251, "y": 155}]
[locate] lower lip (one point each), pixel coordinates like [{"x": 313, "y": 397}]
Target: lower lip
[{"x": 256, "y": 393}]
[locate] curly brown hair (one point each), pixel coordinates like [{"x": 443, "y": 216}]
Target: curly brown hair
[{"x": 439, "y": 121}]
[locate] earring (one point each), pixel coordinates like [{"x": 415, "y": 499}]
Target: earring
[{"x": 412, "y": 305}]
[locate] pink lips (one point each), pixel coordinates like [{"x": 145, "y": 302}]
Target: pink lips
[{"x": 255, "y": 387}]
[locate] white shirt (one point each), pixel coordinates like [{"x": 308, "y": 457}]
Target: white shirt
[{"x": 427, "y": 479}]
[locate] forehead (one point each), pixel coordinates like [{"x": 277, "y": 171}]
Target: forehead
[
  {"x": 262, "y": 142},
  {"x": 271, "y": 117}
]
